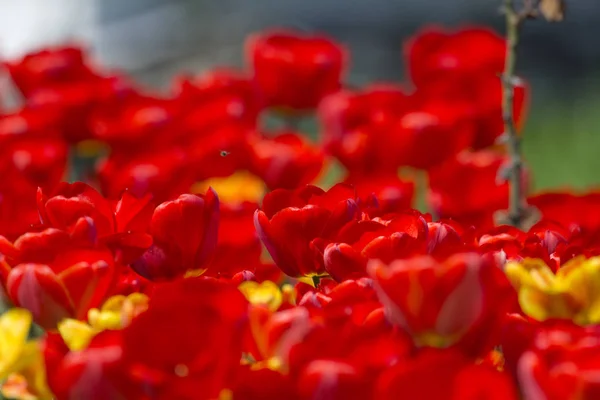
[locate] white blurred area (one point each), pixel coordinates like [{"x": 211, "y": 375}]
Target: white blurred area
[
  {"x": 156, "y": 39},
  {"x": 151, "y": 39},
  {"x": 27, "y": 25}
]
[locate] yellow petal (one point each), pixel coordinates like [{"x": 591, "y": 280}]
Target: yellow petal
[
  {"x": 14, "y": 330},
  {"x": 76, "y": 334},
  {"x": 541, "y": 305},
  {"x": 288, "y": 293},
  {"x": 240, "y": 187},
  {"x": 138, "y": 300},
  {"x": 194, "y": 273},
  {"x": 571, "y": 265},
  {"x": 35, "y": 372},
  {"x": 266, "y": 293},
  {"x": 583, "y": 285},
  {"x": 118, "y": 311},
  {"x": 273, "y": 363},
  {"x": 105, "y": 320},
  {"x": 134, "y": 305},
  {"x": 530, "y": 272},
  {"x": 93, "y": 316},
  {"x": 114, "y": 303}
]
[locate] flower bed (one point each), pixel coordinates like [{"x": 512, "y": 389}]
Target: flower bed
[{"x": 200, "y": 256}]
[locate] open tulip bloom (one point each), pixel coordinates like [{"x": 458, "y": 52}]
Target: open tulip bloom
[{"x": 202, "y": 256}]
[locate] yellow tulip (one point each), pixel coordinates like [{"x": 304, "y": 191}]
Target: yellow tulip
[
  {"x": 76, "y": 334},
  {"x": 21, "y": 360},
  {"x": 572, "y": 293},
  {"x": 116, "y": 313},
  {"x": 14, "y": 330},
  {"x": 237, "y": 188},
  {"x": 266, "y": 293}
]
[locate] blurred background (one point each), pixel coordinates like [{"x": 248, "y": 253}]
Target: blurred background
[{"x": 154, "y": 40}]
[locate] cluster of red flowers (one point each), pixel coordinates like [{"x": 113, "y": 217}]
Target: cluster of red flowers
[{"x": 151, "y": 282}]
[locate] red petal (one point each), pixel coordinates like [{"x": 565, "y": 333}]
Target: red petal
[
  {"x": 87, "y": 285},
  {"x": 36, "y": 288}
]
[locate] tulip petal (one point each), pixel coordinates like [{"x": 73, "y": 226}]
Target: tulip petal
[
  {"x": 14, "y": 330},
  {"x": 87, "y": 285},
  {"x": 36, "y": 288}
]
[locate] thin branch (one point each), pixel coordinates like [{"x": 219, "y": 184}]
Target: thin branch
[{"x": 514, "y": 19}]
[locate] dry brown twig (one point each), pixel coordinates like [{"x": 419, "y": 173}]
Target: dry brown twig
[{"x": 519, "y": 214}]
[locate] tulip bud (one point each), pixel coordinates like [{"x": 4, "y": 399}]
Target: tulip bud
[{"x": 185, "y": 237}]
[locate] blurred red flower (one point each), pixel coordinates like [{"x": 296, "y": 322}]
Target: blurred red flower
[
  {"x": 455, "y": 377},
  {"x": 462, "y": 67},
  {"x": 357, "y": 128},
  {"x": 286, "y": 161},
  {"x": 470, "y": 188},
  {"x": 294, "y": 70},
  {"x": 49, "y": 66}
]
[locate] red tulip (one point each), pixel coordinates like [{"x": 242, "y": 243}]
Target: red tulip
[
  {"x": 478, "y": 97},
  {"x": 517, "y": 335},
  {"x": 29, "y": 122},
  {"x": 59, "y": 275},
  {"x": 402, "y": 236},
  {"x": 295, "y": 71},
  {"x": 287, "y": 161},
  {"x": 455, "y": 376},
  {"x": 264, "y": 384},
  {"x": 146, "y": 173},
  {"x": 195, "y": 327},
  {"x": 17, "y": 214},
  {"x": 275, "y": 334},
  {"x": 431, "y": 135},
  {"x": 89, "y": 373},
  {"x": 121, "y": 226},
  {"x": 184, "y": 233},
  {"x": 352, "y": 301},
  {"x": 434, "y": 52},
  {"x": 357, "y": 128},
  {"x": 219, "y": 152},
  {"x": 469, "y": 289},
  {"x": 49, "y": 66},
  {"x": 330, "y": 379},
  {"x": 74, "y": 102},
  {"x": 238, "y": 246},
  {"x": 383, "y": 194},
  {"x": 468, "y": 188},
  {"x": 217, "y": 97},
  {"x": 219, "y": 112},
  {"x": 346, "y": 331},
  {"x": 562, "y": 363},
  {"x": 462, "y": 67},
  {"x": 71, "y": 201},
  {"x": 296, "y": 226},
  {"x": 443, "y": 240},
  {"x": 569, "y": 209},
  {"x": 128, "y": 281},
  {"x": 39, "y": 162},
  {"x": 137, "y": 119},
  {"x": 32, "y": 153}
]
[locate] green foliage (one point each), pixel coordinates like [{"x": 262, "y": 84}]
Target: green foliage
[{"x": 561, "y": 144}]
